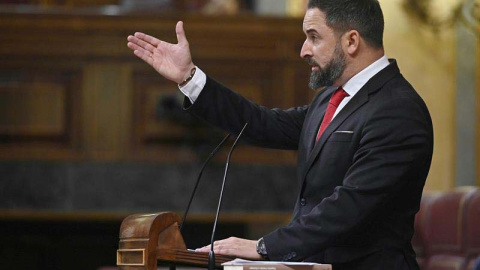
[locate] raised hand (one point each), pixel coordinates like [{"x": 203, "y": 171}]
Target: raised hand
[{"x": 172, "y": 61}]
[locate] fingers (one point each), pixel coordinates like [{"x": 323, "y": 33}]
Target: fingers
[
  {"x": 141, "y": 49},
  {"x": 181, "y": 37},
  {"x": 138, "y": 43},
  {"x": 203, "y": 249},
  {"x": 237, "y": 247},
  {"x": 225, "y": 246},
  {"x": 218, "y": 249},
  {"x": 152, "y": 40},
  {"x": 135, "y": 47}
]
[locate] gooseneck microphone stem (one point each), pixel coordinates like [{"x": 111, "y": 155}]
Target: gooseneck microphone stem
[
  {"x": 211, "y": 254},
  {"x": 198, "y": 178}
]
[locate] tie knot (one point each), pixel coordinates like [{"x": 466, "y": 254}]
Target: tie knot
[{"x": 338, "y": 96}]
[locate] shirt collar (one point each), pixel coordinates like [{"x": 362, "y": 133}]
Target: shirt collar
[{"x": 360, "y": 79}]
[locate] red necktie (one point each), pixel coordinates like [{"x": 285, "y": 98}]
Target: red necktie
[{"x": 335, "y": 100}]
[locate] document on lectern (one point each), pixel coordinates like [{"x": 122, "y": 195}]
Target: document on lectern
[{"x": 240, "y": 264}]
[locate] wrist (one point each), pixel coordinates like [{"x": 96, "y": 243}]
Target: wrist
[
  {"x": 188, "y": 75},
  {"x": 262, "y": 249}
]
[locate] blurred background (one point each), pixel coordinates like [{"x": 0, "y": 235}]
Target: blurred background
[{"x": 90, "y": 134}]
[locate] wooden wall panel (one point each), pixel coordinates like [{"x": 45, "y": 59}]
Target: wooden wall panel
[
  {"x": 37, "y": 109},
  {"x": 32, "y": 109},
  {"x": 115, "y": 107},
  {"x": 107, "y": 96},
  {"x": 159, "y": 124}
]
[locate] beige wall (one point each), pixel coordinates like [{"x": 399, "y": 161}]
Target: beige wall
[{"x": 428, "y": 61}]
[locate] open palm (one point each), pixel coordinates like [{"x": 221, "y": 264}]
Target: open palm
[{"x": 172, "y": 61}]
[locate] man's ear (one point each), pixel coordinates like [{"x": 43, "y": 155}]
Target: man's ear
[{"x": 351, "y": 41}]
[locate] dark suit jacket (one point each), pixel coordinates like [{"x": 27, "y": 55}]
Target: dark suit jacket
[{"x": 360, "y": 185}]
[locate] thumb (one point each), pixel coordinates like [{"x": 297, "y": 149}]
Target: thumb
[{"x": 181, "y": 38}]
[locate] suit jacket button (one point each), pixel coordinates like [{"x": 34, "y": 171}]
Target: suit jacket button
[{"x": 303, "y": 202}]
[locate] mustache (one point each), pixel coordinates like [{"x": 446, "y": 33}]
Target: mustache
[{"x": 312, "y": 62}]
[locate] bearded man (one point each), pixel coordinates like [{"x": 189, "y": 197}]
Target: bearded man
[{"x": 364, "y": 143}]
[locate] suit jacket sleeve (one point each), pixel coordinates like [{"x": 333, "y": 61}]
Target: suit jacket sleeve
[
  {"x": 395, "y": 148},
  {"x": 223, "y": 108}
]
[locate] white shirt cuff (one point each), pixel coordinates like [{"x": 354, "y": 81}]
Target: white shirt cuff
[{"x": 195, "y": 86}]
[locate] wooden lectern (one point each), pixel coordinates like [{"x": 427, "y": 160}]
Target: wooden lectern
[{"x": 148, "y": 238}]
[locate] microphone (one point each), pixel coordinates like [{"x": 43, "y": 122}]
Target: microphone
[
  {"x": 173, "y": 266},
  {"x": 211, "y": 254},
  {"x": 199, "y": 176}
]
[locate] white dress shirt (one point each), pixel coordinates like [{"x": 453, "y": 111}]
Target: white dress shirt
[{"x": 354, "y": 85}]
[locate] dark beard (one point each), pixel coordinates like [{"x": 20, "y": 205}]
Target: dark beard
[{"x": 330, "y": 73}]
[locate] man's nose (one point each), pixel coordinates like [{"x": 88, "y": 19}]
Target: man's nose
[{"x": 306, "y": 51}]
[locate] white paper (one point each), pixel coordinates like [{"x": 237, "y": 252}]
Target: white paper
[{"x": 247, "y": 262}]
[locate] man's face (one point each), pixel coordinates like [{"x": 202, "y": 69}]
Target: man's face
[{"x": 322, "y": 50}]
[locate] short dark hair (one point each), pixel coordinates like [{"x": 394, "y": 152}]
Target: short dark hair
[{"x": 365, "y": 16}]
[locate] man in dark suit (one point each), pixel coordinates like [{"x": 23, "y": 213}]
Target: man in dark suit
[{"x": 364, "y": 143}]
